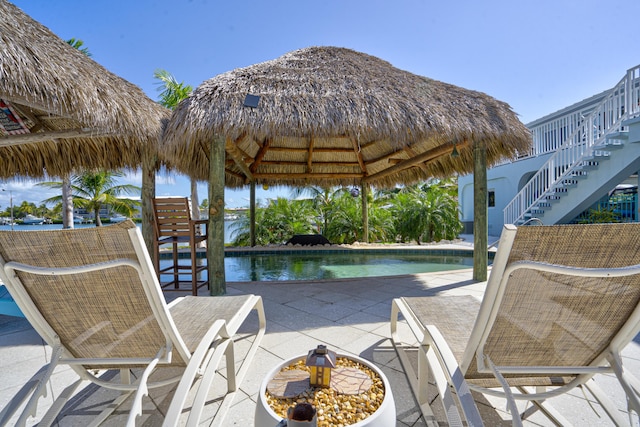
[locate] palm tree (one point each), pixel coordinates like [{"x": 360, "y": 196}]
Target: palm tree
[
  {"x": 67, "y": 197},
  {"x": 26, "y": 208},
  {"x": 426, "y": 213},
  {"x": 77, "y": 44},
  {"x": 171, "y": 93},
  {"x": 95, "y": 189},
  {"x": 277, "y": 222},
  {"x": 322, "y": 200},
  {"x": 344, "y": 219}
]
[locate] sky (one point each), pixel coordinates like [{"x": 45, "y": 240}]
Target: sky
[{"x": 537, "y": 56}]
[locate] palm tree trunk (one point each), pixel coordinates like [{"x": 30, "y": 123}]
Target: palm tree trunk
[
  {"x": 67, "y": 203},
  {"x": 96, "y": 212}
]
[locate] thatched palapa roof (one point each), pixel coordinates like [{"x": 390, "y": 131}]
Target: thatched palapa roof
[
  {"x": 75, "y": 113},
  {"x": 334, "y": 116}
]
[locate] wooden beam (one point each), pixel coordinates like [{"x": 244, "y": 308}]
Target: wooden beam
[
  {"x": 411, "y": 154},
  {"x": 260, "y": 155},
  {"x": 310, "y": 156},
  {"x": 389, "y": 156},
  {"x": 292, "y": 163},
  {"x": 233, "y": 173},
  {"x": 424, "y": 157},
  {"x": 358, "y": 152},
  {"x": 238, "y": 158},
  {"x": 33, "y": 105},
  {"x": 32, "y": 138},
  {"x": 26, "y": 112},
  {"x": 315, "y": 150},
  {"x": 280, "y": 176}
]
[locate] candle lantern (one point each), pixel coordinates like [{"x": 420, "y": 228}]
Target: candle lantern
[{"x": 320, "y": 362}]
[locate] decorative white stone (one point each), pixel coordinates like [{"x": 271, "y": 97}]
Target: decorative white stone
[{"x": 385, "y": 416}]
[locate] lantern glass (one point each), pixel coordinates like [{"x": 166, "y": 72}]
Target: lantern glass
[{"x": 320, "y": 361}]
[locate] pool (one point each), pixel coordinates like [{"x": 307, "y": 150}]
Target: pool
[{"x": 246, "y": 266}]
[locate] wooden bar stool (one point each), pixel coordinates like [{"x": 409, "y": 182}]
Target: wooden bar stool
[{"x": 173, "y": 226}]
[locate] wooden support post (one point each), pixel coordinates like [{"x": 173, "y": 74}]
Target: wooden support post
[
  {"x": 215, "y": 230},
  {"x": 365, "y": 212},
  {"x": 149, "y": 163},
  {"x": 252, "y": 214},
  {"x": 480, "y": 221}
]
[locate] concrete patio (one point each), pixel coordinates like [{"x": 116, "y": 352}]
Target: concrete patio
[{"x": 349, "y": 316}]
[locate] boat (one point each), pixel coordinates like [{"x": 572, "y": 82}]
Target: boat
[
  {"x": 117, "y": 218},
  {"x": 78, "y": 220},
  {"x": 32, "y": 220}
]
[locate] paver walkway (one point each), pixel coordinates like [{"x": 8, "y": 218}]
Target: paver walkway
[{"x": 349, "y": 316}]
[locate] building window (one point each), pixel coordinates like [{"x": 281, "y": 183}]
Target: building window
[{"x": 491, "y": 198}]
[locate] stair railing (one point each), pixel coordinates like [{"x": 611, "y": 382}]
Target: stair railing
[{"x": 622, "y": 102}]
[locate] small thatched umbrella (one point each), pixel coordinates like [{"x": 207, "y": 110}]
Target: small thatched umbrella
[
  {"x": 332, "y": 116},
  {"x": 65, "y": 112}
]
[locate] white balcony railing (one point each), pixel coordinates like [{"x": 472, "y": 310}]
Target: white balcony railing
[{"x": 576, "y": 138}]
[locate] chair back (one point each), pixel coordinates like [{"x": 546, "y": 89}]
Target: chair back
[
  {"x": 111, "y": 313},
  {"x": 172, "y": 217},
  {"x": 536, "y": 315}
]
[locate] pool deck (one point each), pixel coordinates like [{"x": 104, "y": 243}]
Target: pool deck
[{"x": 349, "y": 315}]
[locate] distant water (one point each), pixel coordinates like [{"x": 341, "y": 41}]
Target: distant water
[{"x": 16, "y": 227}]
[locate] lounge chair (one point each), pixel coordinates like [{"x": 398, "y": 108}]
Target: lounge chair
[
  {"x": 93, "y": 296},
  {"x": 560, "y": 304}
]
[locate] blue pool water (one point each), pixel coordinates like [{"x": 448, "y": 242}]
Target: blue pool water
[{"x": 322, "y": 265}]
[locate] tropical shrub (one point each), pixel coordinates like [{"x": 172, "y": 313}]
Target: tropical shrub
[
  {"x": 276, "y": 222},
  {"x": 426, "y": 213}
]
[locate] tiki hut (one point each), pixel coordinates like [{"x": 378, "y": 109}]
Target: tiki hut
[
  {"x": 61, "y": 112},
  {"x": 331, "y": 116}
]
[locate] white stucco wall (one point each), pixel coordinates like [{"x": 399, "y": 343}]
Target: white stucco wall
[{"x": 505, "y": 180}]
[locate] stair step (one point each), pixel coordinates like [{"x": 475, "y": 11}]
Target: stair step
[
  {"x": 631, "y": 121},
  {"x": 579, "y": 174},
  {"x": 588, "y": 165},
  {"x": 618, "y": 136},
  {"x": 558, "y": 190},
  {"x": 569, "y": 182},
  {"x": 612, "y": 144}
]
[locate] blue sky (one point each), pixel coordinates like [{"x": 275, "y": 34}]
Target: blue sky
[{"x": 538, "y": 56}]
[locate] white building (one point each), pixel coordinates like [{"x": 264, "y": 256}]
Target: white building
[{"x": 579, "y": 155}]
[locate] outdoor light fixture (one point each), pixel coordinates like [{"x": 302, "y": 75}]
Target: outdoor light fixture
[
  {"x": 251, "y": 101},
  {"x": 320, "y": 362},
  {"x": 454, "y": 152}
]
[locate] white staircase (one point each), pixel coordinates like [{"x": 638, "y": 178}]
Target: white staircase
[{"x": 595, "y": 156}]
